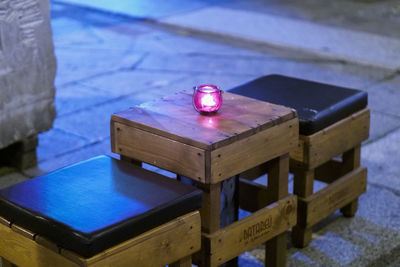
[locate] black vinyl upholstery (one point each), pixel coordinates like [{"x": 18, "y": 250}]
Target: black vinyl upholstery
[
  {"x": 95, "y": 204},
  {"x": 318, "y": 105}
]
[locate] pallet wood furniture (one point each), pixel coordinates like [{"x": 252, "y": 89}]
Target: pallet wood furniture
[
  {"x": 100, "y": 212},
  {"x": 333, "y": 122},
  {"x": 170, "y": 134}
]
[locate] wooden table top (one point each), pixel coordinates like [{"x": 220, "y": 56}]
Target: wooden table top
[{"x": 174, "y": 117}]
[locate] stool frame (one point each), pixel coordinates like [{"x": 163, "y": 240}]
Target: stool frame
[
  {"x": 171, "y": 243},
  {"x": 314, "y": 160}
]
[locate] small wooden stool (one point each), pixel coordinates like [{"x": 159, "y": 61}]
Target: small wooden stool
[
  {"x": 245, "y": 133},
  {"x": 333, "y": 122},
  {"x": 100, "y": 212}
]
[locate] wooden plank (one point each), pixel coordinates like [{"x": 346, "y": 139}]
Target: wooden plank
[
  {"x": 23, "y": 231},
  {"x": 160, "y": 151},
  {"x": 160, "y": 246},
  {"x": 337, "y": 138},
  {"x": 252, "y": 230},
  {"x": 23, "y": 251},
  {"x": 253, "y": 196},
  {"x": 247, "y": 153},
  {"x": 334, "y": 196},
  {"x": 298, "y": 153},
  {"x": 173, "y": 117},
  {"x": 5, "y": 222}
]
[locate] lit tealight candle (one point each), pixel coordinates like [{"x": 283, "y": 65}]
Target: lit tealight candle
[{"x": 207, "y": 99}]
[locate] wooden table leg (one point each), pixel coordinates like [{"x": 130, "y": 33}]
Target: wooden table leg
[
  {"x": 351, "y": 161},
  {"x": 210, "y": 216},
  {"x": 278, "y": 178},
  {"x": 303, "y": 187}
]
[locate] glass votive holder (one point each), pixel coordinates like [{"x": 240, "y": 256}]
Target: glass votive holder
[{"x": 207, "y": 99}]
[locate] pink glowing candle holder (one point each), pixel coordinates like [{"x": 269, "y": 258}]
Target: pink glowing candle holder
[{"x": 207, "y": 99}]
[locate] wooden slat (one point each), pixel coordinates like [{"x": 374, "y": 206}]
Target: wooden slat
[
  {"x": 160, "y": 151},
  {"x": 333, "y": 197},
  {"x": 298, "y": 153},
  {"x": 25, "y": 252},
  {"x": 23, "y": 231},
  {"x": 165, "y": 244},
  {"x": 337, "y": 138},
  {"x": 251, "y": 231},
  {"x": 247, "y": 153},
  {"x": 5, "y": 222}
]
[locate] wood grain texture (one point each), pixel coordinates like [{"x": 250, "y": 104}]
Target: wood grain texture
[
  {"x": 278, "y": 178},
  {"x": 5, "y": 222},
  {"x": 25, "y": 252},
  {"x": 333, "y": 197},
  {"x": 162, "y": 245},
  {"x": 174, "y": 117},
  {"x": 210, "y": 210},
  {"x": 247, "y": 153},
  {"x": 23, "y": 231},
  {"x": 160, "y": 151},
  {"x": 337, "y": 138},
  {"x": 351, "y": 161},
  {"x": 251, "y": 231}
]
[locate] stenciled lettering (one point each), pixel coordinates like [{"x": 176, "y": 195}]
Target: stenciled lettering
[{"x": 258, "y": 229}]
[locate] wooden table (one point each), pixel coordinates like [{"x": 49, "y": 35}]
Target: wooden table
[{"x": 245, "y": 133}]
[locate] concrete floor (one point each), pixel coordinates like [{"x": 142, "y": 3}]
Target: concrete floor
[{"x": 108, "y": 62}]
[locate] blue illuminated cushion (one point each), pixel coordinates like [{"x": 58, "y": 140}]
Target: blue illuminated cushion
[
  {"x": 93, "y": 205},
  {"x": 318, "y": 105}
]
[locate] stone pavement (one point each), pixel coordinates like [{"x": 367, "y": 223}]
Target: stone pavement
[{"x": 110, "y": 61}]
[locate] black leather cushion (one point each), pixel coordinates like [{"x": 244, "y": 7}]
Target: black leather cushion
[
  {"x": 95, "y": 204},
  {"x": 318, "y": 105}
]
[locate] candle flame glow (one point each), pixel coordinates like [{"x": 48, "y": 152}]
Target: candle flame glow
[{"x": 208, "y": 100}]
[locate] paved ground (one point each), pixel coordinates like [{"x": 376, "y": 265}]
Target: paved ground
[{"x": 108, "y": 62}]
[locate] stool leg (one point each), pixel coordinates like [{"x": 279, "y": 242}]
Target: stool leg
[
  {"x": 351, "y": 161},
  {"x": 303, "y": 187},
  {"x": 185, "y": 262},
  {"x": 278, "y": 179}
]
